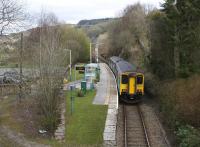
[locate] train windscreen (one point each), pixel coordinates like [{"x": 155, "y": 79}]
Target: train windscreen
[
  {"x": 124, "y": 79},
  {"x": 139, "y": 79}
]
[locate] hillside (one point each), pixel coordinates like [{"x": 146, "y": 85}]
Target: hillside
[
  {"x": 95, "y": 27},
  {"x": 93, "y": 21}
]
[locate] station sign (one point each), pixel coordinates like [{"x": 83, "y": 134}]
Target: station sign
[{"x": 80, "y": 68}]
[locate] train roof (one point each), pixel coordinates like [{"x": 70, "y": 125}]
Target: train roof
[
  {"x": 124, "y": 66},
  {"x": 115, "y": 59}
]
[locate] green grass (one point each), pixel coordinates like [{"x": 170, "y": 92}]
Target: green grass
[
  {"x": 83, "y": 128},
  {"x": 86, "y": 125}
]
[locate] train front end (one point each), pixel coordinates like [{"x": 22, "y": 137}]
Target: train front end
[{"x": 131, "y": 87}]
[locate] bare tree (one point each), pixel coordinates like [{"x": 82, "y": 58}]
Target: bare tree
[
  {"x": 12, "y": 15},
  {"x": 48, "y": 58}
]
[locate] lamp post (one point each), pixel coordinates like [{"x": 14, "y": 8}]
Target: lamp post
[
  {"x": 71, "y": 86},
  {"x": 70, "y": 62},
  {"x": 96, "y": 51},
  {"x": 90, "y": 52}
]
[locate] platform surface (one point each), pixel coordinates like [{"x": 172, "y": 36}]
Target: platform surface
[
  {"x": 104, "y": 86},
  {"x": 107, "y": 95}
]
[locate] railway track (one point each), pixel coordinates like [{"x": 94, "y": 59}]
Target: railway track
[{"x": 135, "y": 131}]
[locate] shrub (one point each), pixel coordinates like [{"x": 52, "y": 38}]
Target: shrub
[
  {"x": 179, "y": 103},
  {"x": 179, "y": 99},
  {"x": 80, "y": 93},
  {"x": 49, "y": 107},
  {"x": 188, "y": 136}
]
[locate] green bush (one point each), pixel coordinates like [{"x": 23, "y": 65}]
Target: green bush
[
  {"x": 179, "y": 103},
  {"x": 98, "y": 77},
  {"x": 188, "y": 136},
  {"x": 49, "y": 107},
  {"x": 80, "y": 93}
]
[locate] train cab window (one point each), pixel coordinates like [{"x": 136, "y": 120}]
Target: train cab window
[
  {"x": 124, "y": 79},
  {"x": 139, "y": 79}
]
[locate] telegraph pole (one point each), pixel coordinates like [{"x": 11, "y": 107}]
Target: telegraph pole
[{"x": 70, "y": 56}]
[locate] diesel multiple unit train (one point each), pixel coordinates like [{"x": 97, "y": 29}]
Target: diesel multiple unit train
[{"x": 130, "y": 83}]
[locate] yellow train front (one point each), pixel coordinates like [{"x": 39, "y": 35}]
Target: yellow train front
[{"x": 130, "y": 83}]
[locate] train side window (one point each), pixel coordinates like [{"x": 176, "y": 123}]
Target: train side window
[
  {"x": 139, "y": 79},
  {"x": 124, "y": 79}
]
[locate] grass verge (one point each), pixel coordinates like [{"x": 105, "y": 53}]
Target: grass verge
[{"x": 85, "y": 126}]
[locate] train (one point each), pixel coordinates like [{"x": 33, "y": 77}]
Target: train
[{"x": 130, "y": 82}]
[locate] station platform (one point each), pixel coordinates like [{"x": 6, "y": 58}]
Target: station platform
[
  {"x": 107, "y": 94},
  {"x": 106, "y": 87}
]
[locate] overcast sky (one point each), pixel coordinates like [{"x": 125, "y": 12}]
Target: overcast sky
[{"x": 71, "y": 11}]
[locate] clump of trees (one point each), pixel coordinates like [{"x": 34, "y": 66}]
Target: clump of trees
[
  {"x": 166, "y": 41},
  {"x": 177, "y": 29},
  {"x": 161, "y": 61},
  {"x": 174, "y": 44},
  {"x": 46, "y": 51},
  {"x": 128, "y": 35}
]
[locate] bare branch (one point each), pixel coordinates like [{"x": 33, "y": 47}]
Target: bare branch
[{"x": 11, "y": 15}]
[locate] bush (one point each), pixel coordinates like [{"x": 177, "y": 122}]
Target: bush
[
  {"x": 179, "y": 103},
  {"x": 98, "y": 76},
  {"x": 49, "y": 105},
  {"x": 80, "y": 93},
  {"x": 181, "y": 98},
  {"x": 151, "y": 85},
  {"x": 188, "y": 136}
]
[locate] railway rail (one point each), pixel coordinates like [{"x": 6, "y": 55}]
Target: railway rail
[
  {"x": 135, "y": 131},
  {"x": 138, "y": 130},
  {"x": 141, "y": 127}
]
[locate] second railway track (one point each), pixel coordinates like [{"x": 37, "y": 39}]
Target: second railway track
[{"x": 135, "y": 131}]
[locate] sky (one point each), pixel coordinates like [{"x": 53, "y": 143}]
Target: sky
[{"x": 72, "y": 11}]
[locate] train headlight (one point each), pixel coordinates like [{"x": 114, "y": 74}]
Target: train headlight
[{"x": 124, "y": 90}]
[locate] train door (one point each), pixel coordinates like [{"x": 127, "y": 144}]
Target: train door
[{"x": 132, "y": 84}]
